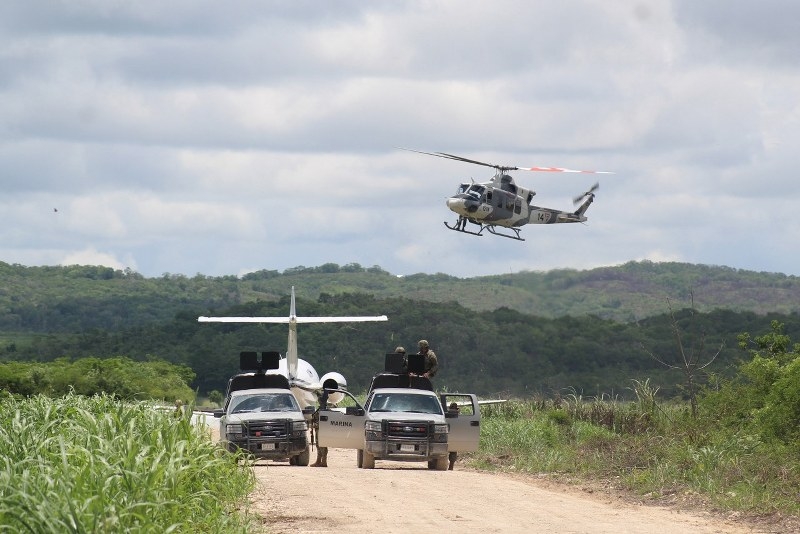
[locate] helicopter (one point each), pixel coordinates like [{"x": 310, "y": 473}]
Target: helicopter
[{"x": 502, "y": 203}]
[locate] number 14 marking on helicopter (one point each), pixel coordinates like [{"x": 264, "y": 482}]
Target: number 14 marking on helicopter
[{"x": 500, "y": 202}]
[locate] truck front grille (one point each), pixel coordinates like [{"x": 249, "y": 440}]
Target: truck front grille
[
  {"x": 268, "y": 429},
  {"x": 407, "y": 429}
]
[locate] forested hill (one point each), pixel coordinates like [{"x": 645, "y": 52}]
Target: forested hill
[
  {"x": 518, "y": 333},
  {"x": 53, "y": 299}
]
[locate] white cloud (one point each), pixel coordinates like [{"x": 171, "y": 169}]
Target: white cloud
[{"x": 91, "y": 256}]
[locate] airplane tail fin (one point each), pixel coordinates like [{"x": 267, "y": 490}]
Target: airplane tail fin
[{"x": 291, "y": 346}]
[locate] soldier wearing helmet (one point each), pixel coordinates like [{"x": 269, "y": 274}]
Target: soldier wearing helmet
[{"x": 431, "y": 363}]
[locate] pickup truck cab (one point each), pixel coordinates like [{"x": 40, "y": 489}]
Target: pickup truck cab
[{"x": 403, "y": 420}]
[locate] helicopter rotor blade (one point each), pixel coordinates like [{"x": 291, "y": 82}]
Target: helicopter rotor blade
[
  {"x": 476, "y": 162},
  {"x": 559, "y": 169},
  {"x": 502, "y": 168},
  {"x": 586, "y": 194},
  {"x": 459, "y": 158}
]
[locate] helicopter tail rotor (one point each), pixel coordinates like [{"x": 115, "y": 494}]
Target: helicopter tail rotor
[{"x": 586, "y": 194}]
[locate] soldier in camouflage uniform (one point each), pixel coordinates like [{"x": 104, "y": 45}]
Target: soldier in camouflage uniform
[
  {"x": 322, "y": 452},
  {"x": 431, "y": 363}
]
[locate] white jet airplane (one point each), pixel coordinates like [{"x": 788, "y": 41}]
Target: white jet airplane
[{"x": 303, "y": 378}]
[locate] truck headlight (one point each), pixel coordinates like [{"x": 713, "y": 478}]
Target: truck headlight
[
  {"x": 233, "y": 429},
  {"x": 373, "y": 431},
  {"x": 441, "y": 429},
  {"x": 299, "y": 426}
]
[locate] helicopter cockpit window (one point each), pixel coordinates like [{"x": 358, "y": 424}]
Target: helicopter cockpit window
[
  {"x": 476, "y": 191},
  {"x": 462, "y": 189}
]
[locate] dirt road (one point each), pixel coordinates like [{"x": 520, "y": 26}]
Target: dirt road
[{"x": 407, "y": 497}]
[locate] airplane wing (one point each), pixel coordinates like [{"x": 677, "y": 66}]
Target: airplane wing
[
  {"x": 283, "y": 320},
  {"x": 359, "y": 319},
  {"x": 495, "y": 401},
  {"x": 287, "y": 320}
]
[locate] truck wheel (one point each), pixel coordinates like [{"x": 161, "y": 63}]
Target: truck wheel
[
  {"x": 431, "y": 464},
  {"x": 442, "y": 463},
  {"x": 303, "y": 457},
  {"x": 367, "y": 460},
  {"x": 359, "y": 458}
]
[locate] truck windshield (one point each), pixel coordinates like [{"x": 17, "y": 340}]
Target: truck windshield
[
  {"x": 264, "y": 402},
  {"x": 405, "y": 402}
]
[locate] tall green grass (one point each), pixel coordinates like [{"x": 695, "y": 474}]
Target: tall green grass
[
  {"x": 658, "y": 451},
  {"x": 78, "y": 464}
]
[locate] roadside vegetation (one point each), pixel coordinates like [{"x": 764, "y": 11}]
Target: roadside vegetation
[
  {"x": 99, "y": 464},
  {"x": 122, "y": 377},
  {"x": 740, "y": 452}
]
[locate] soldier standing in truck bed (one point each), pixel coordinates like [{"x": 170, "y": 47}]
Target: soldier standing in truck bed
[{"x": 431, "y": 363}]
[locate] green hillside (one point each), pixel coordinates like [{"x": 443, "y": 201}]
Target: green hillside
[
  {"x": 515, "y": 334},
  {"x": 52, "y": 299}
]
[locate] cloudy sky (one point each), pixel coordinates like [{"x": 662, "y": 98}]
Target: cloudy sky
[{"x": 220, "y": 138}]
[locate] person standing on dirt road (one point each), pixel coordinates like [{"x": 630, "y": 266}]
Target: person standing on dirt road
[
  {"x": 453, "y": 454},
  {"x": 322, "y": 452}
]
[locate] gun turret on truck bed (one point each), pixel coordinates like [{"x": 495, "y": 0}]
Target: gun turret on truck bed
[{"x": 403, "y": 420}]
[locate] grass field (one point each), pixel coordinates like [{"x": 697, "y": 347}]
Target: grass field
[
  {"x": 656, "y": 451},
  {"x": 80, "y": 464}
]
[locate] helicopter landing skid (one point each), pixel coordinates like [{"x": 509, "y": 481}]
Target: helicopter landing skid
[
  {"x": 515, "y": 236},
  {"x": 488, "y": 227},
  {"x": 464, "y": 230}
]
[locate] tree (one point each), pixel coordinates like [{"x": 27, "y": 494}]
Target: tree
[
  {"x": 215, "y": 396},
  {"x": 688, "y": 360},
  {"x": 774, "y": 382}
]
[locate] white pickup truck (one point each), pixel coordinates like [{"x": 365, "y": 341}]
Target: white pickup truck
[
  {"x": 267, "y": 423},
  {"x": 403, "y": 420},
  {"x": 262, "y": 417}
]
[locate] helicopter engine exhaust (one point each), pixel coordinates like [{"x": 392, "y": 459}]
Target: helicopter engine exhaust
[{"x": 334, "y": 380}]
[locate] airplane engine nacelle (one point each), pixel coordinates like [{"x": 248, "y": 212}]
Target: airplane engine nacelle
[{"x": 334, "y": 380}]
